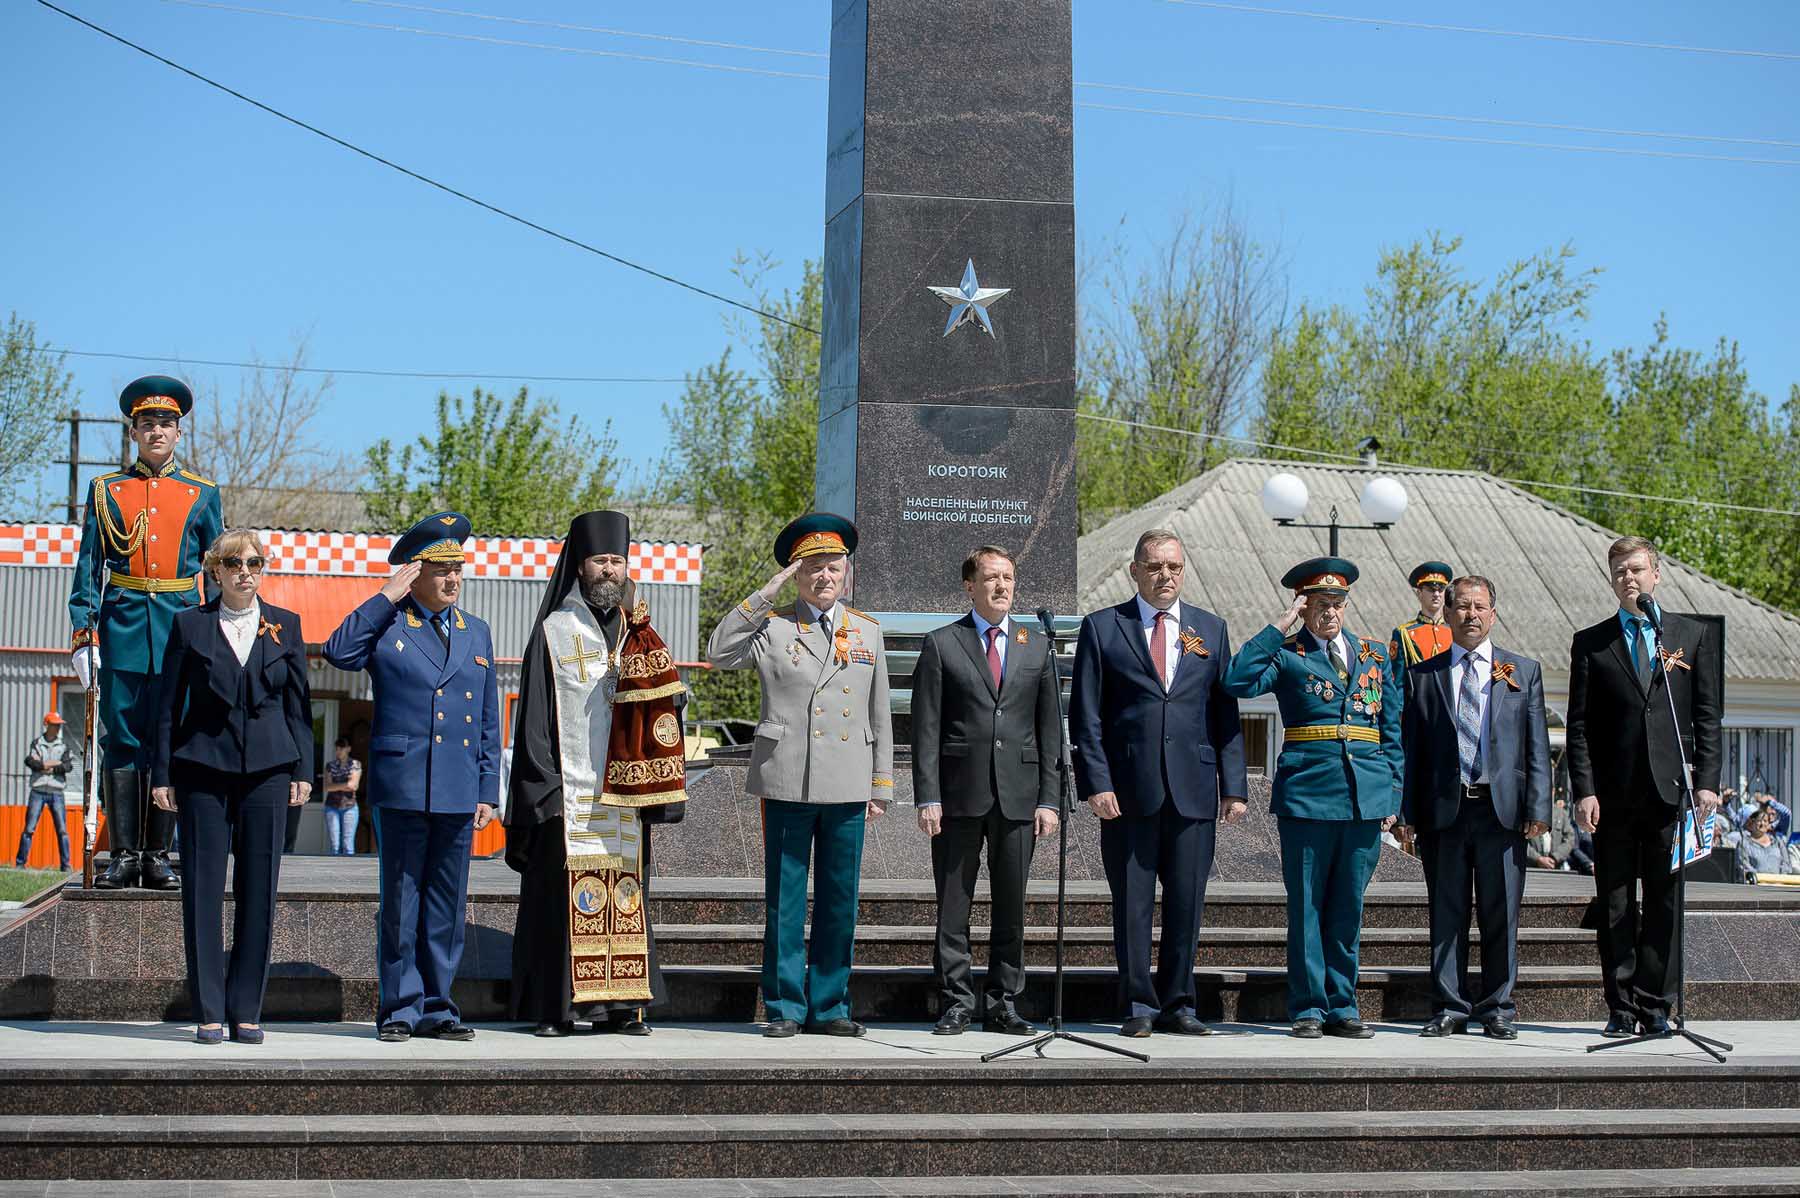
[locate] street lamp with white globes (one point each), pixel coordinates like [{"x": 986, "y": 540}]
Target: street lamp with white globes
[{"x": 1284, "y": 498}]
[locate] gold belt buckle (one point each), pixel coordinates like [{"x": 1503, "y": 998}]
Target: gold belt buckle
[{"x": 1343, "y": 732}]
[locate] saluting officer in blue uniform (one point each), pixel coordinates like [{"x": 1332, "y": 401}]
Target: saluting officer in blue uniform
[
  {"x": 146, "y": 531},
  {"x": 434, "y": 767},
  {"x": 1337, "y": 783}
]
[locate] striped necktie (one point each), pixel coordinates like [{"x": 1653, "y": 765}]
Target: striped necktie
[{"x": 1468, "y": 719}]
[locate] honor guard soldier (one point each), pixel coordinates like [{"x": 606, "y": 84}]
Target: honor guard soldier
[
  {"x": 142, "y": 541},
  {"x": 1337, "y": 783},
  {"x": 823, "y": 762},
  {"x": 434, "y": 768},
  {"x": 1428, "y": 634}
]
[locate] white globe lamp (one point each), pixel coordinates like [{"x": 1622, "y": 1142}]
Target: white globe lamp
[
  {"x": 1284, "y": 497},
  {"x": 1383, "y": 501}
]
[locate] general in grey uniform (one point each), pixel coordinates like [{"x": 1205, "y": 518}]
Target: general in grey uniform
[{"x": 823, "y": 761}]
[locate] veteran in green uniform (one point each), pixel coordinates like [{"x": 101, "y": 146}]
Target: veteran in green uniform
[
  {"x": 823, "y": 764},
  {"x": 1337, "y": 783},
  {"x": 1428, "y": 634}
]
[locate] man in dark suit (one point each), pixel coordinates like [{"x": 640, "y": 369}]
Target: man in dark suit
[
  {"x": 1477, "y": 785},
  {"x": 1625, "y": 768},
  {"x": 986, "y": 744},
  {"x": 1160, "y": 756},
  {"x": 434, "y": 768}
]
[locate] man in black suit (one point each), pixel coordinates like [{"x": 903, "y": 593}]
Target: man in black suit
[
  {"x": 986, "y": 744},
  {"x": 1625, "y": 766},
  {"x": 1477, "y": 785},
  {"x": 1160, "y": 756}
]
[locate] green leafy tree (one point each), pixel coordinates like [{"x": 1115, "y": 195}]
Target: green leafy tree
[
  {"x": 1175, "y": 344},
  {"x": 741, "y": 455},
  {"x": 35, "y": 390},
  {"x": 515, "y": 467}
]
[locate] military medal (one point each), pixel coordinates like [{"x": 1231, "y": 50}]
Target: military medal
[{"x": 840, "y": 645}]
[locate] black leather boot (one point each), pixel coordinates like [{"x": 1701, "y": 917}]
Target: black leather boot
[
  {"x": 122, "y": 827},
  {"x": 155, "y": 872}
]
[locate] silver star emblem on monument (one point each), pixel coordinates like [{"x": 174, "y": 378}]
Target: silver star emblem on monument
[{"x": 970, "y": 301}]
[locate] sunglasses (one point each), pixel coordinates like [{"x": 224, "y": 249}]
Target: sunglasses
[{"x": 254, "y": 564}]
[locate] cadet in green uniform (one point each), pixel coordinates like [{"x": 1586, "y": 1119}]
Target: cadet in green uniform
[
  {"x": 1427, "y": 635},
  {"x": 1337, "y": 783}
]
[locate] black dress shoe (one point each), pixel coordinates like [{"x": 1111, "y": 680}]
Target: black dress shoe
[
  {"x": 1183, "y": 1025},
  {"x": 448, "y": 1029},
  {"x": 394, "y": 1033},
  {"x": 246, "y": 1035},
  {"x": 1443, "y": 1025},
  {"x": 1499, "y": 1027},
  {"x": 1620, "y": 1025},
  {"x": 837, "y": 1027},
  {"x": 1008, "y": 1024},
  {"x": 1307, "y": 1029},
  {"x": 1654, "y": 1025},
  {"x": 1136, "y": 1028},
  {"x": 781, "y": 1028},
  {"x": 1350, "y": 1029},
  {"x": 154, "y": 872},
  {"x": 630, "y": 1027},
  {"x": 953, "y": 1022},
  {"x": 549, "y": 1030}
]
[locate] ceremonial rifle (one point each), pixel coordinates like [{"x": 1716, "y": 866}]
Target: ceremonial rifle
[{"x": 90, "y": 790}]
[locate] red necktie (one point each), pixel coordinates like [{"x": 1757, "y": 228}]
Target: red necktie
[
  {"x": 994, "y": 655},
  {"x": 1159, "y": 648}
]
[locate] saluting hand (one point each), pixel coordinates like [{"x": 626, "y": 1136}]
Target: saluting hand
[
  {"x": 1291, "y": 618},
  {"x": 400, "y": 582},
  {"x": 773, "y": 587}
]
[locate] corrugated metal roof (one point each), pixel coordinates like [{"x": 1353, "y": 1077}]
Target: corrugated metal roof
[{"x": 1548, "y": 564}]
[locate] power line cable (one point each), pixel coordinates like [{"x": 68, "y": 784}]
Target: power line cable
[
  {"x": 470, "y": 376},
  {"x": 652, "y": 37},
  {"x": 1173, "y": 92},
  {"x": 1438, "y": 116},
  {"x": 1530, "y": 35},
  {"x": 1458, "y": 138},
  {"x": 1517, "y": 482},
  {"x": 429, "y": 181},
  {"x": 587, "y": 51}
]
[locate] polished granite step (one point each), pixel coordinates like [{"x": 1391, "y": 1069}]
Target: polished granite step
[{"x": 761, "y": 1145}]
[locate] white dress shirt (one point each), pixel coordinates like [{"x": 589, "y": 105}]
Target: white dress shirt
[
  {"x": 1343, "y": 647},
  {"x": 1172, "y": 653},
  {"x": 240, "y": 628},
  {"x": 981, "y": 630},
  {"x": 1481, "y": 660},
  {"x": 818, "y": 617}
]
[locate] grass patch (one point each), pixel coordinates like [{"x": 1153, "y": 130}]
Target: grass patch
[{"x": 17, "y": 885}]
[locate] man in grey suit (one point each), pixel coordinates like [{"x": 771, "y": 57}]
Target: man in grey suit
[
  {"x": 986, "y": 742},
  {"x": 1477, "y": 787},
  {"x": 823, "y": 760}
]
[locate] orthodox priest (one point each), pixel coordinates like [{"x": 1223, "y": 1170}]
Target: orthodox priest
[{"x": 597, "y": 757}]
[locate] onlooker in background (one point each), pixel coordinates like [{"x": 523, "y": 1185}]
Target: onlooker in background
[
  {"x": 50, "y": 758},
  {"x": 1551, "y": 849},
  {"x": 1758, "y": 850},
  {"x": 1781, "y": 820},
  {"x": 343, "y": 774}
]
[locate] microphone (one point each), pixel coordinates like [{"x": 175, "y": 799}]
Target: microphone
[
  {"x": 1651, "y": 611},
  {"x": 1047, "y": 618}
]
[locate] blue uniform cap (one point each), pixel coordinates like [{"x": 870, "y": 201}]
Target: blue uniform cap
[
  {"x": 815, "y": 534},
  {"x": 1321, "y": 576},
  {"x": 1434, "y": 572},
  {"x": 436, "y": 538},
  {"x": 156, "y": 393}
]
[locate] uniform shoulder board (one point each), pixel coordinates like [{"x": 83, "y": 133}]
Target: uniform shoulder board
[
  {"x": 110, "y": 475},
  {"x": 862, "y": 615},
  {"x": 1296, "y": 644},
  {"x": 195, "y": 478}
]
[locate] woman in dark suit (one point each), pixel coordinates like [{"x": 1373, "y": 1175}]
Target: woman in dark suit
[{"x": 233, "y": 749}]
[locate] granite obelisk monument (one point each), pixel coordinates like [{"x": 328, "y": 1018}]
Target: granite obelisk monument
[{"x": 947, "y": 397}]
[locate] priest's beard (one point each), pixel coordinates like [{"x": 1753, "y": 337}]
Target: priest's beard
[{"x": 603, "y": 594}]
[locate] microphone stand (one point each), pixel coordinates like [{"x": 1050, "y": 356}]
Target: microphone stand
[
  {"x": 1678, "y": 1023},
  {"x": 1065, "y": 812}
]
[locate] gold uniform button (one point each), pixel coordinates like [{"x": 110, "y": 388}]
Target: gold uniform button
[
  {"x": 438, "y": 739},
  {"x": 465, "y": 742},
  {"x": 816, "y": 732},
  {"x": 468, "y": 694},
  {"x": 843, "y": 736},
  {"x": 468, "y": 719},
  {"x": 440, "y": 715},
  {"x": 818, "y": 711},
  {"x": 846, "y": 690},
  {"x": 440, "y": 693},
  {"x": 846, "y": 711}
]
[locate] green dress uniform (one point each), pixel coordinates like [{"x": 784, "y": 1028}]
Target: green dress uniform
[
  {"x": 1420, "y": 639},
  {"x": 143, "y": 539},
  {"x": 1338, "y": 776},
  {"x": 824, "y": 748}
]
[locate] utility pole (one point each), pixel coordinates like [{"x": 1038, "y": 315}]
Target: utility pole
[{"x": 75, "y": 419}]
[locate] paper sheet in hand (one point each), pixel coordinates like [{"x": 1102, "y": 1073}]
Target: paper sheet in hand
[{"x": 1692, "y": 848}]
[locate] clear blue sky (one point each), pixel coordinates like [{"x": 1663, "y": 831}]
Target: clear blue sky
[{"x": 146, "y": 213}]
